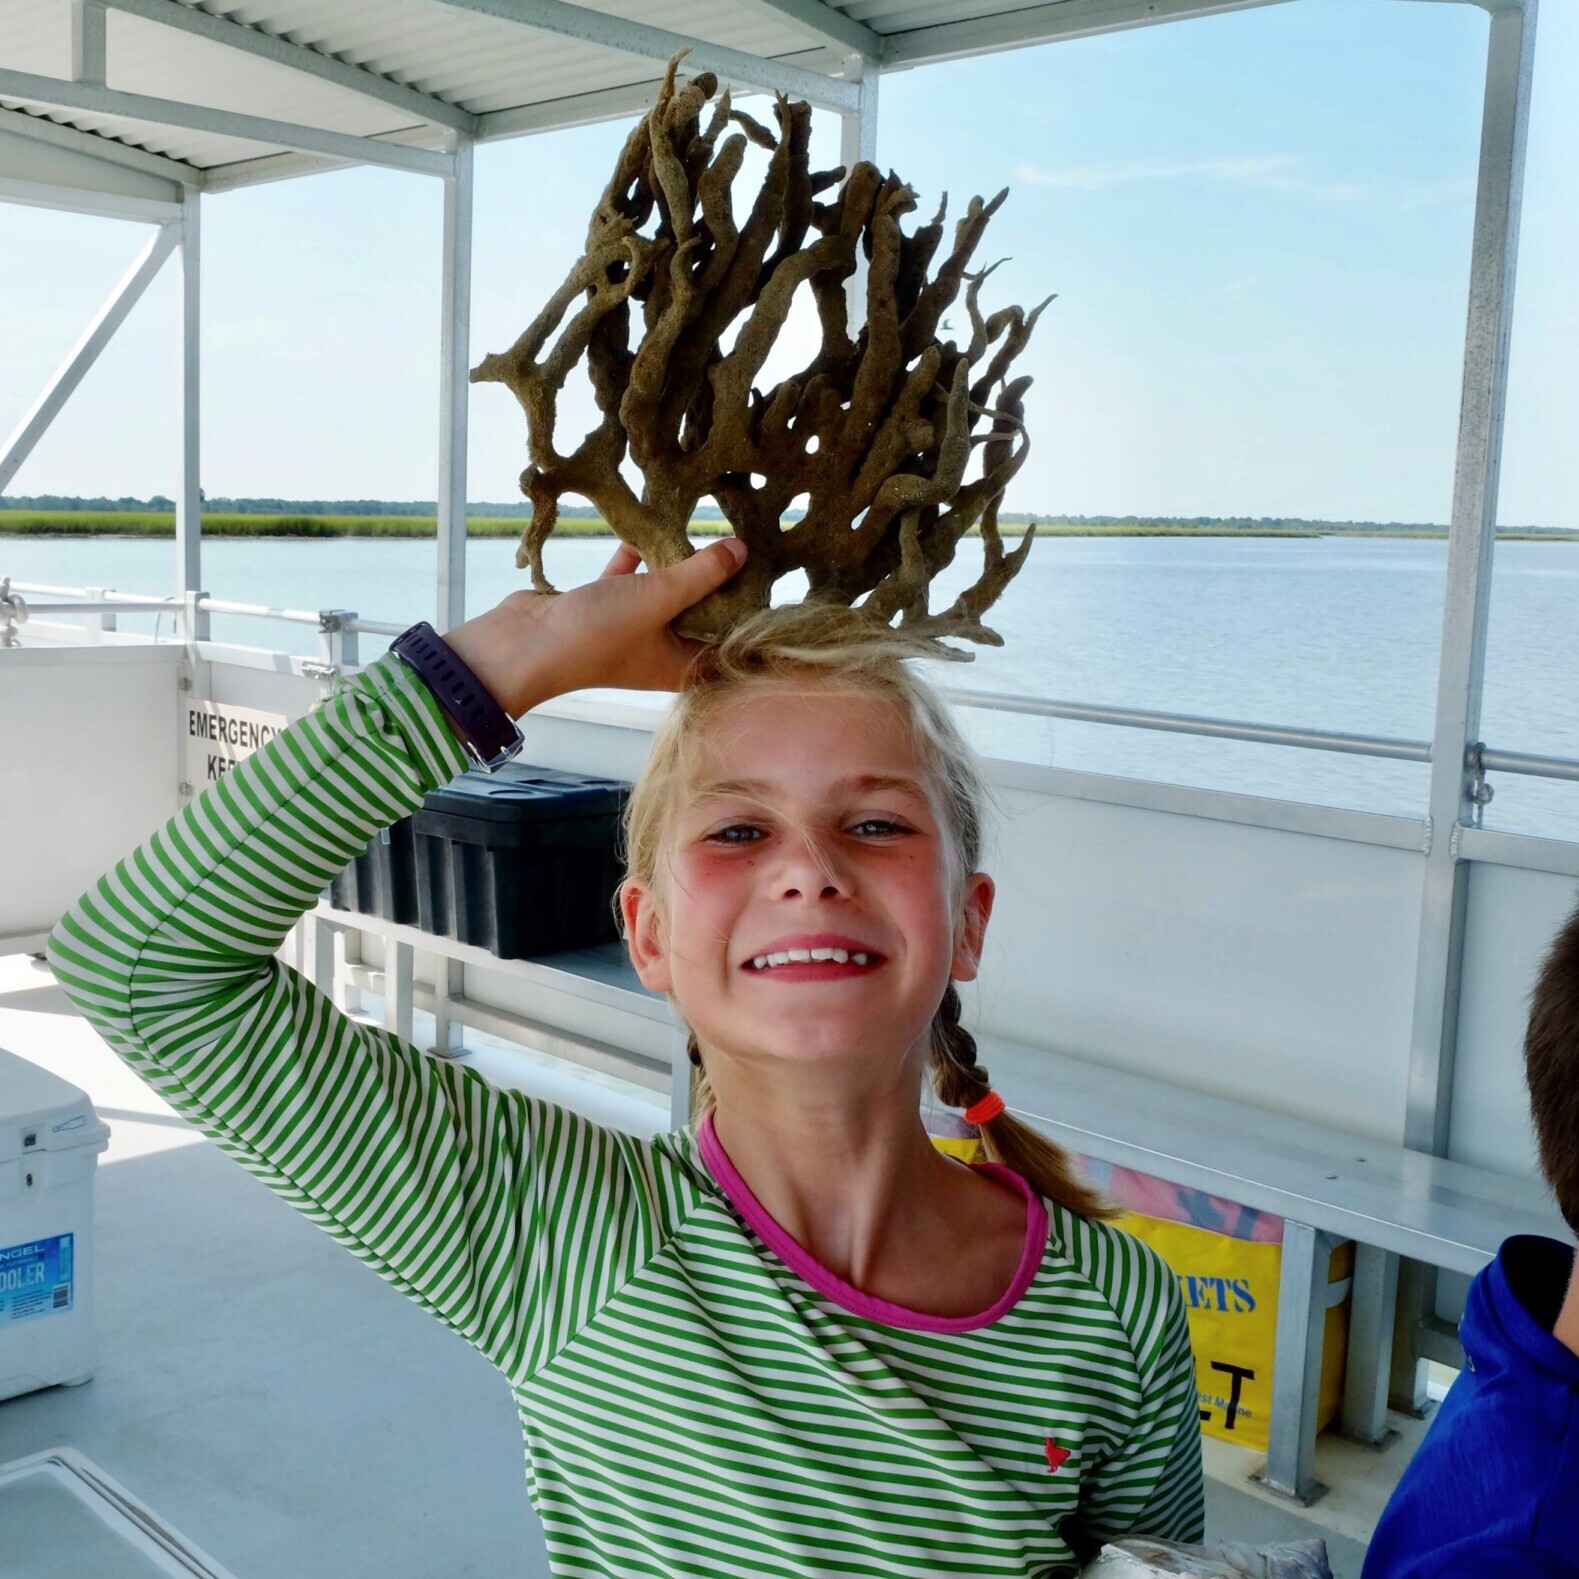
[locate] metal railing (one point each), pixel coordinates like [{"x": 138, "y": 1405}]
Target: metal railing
[
  {"x": 340, "y": 628},
  {"x": 1527, "y": 763},
  {"x": 1193, "y": 724}
]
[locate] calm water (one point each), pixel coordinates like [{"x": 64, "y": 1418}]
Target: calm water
[{"x": 1326, "y": 633}]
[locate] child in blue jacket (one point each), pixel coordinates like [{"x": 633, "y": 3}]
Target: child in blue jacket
[{"x": 1493, "y": 1492}]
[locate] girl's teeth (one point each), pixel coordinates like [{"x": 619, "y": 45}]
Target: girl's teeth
[{"x": 800, "y": 956}]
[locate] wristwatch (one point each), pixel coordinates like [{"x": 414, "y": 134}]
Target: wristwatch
[{"x": 489, "y": 735}]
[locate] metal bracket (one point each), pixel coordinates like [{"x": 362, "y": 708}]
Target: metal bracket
[
  {"x": 314, "y": 670},
  {"x": 13, "y": 612},
  {"x": 1476, "y": 790}
]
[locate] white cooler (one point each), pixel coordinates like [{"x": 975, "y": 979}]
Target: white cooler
[{"x": 50, "y": 1140}]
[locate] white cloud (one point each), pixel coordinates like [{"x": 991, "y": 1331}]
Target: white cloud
[{"x": 1269, "y": 172}]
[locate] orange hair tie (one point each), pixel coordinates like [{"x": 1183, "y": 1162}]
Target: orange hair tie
[{"x": 990, "y": 1106}]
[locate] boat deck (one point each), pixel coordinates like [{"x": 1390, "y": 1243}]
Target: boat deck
[{"x": 288, "y": 1411}]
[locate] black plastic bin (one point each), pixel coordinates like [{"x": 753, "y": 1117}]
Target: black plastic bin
[
  {"x": 521, "y": 862},
  {"x": 382, "y": 880}
]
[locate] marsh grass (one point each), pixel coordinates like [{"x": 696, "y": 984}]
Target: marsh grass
[{"x": 154, "y": 523}]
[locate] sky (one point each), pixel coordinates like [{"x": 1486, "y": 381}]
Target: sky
[{"x": 1257, "y": 227}]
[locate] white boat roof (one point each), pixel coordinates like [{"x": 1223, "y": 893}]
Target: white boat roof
[{"x": 409, "y": 72}]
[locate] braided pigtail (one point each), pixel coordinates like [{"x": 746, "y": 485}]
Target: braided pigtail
[
  {"x": 696, "y": 1071},
  {"x": 960, "y": 1082}
]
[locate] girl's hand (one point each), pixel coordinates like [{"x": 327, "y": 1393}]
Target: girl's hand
[{"x": 614, "y": 631}]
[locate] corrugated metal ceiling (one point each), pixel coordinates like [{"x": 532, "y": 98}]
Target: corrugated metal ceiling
[{"x": 479, "y": 63}]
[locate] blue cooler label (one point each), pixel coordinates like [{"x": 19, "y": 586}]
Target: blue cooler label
[{"x": 35, "y": 1279}]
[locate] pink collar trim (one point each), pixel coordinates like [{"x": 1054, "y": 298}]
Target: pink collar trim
[{"x": 738, "y": 1193}]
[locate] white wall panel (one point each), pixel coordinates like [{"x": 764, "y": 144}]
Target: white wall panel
[
  {"x": 1513, "y": 916},
  {"x": 1254, "y": 963},
  {"x": 88, "y": 769},
  {"x": 1247, "y": 962}
]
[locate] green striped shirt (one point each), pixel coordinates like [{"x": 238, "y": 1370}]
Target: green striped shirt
[{"x": 697, "y": 1397}]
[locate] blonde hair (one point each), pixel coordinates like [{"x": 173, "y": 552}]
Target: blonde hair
[{"x": 841, "y": 649}]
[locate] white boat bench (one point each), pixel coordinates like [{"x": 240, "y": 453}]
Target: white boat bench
[{"x": 1330, "y": 1187}]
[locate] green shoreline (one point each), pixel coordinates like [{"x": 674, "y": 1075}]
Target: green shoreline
[{"x": 66, "y": 524}]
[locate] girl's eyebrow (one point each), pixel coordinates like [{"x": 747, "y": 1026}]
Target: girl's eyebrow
[{"x": 758, "y": 789}]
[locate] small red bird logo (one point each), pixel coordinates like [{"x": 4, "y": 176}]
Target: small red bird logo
[{"x": 1055, "y": 1454}]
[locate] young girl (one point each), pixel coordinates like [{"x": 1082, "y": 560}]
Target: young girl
[{"x": 793, "y": 1339}]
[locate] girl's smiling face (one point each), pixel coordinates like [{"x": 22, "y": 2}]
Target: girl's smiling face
[{"x": 807, "y": 819}]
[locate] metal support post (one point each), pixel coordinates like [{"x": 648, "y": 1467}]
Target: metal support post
[
  {"x": 87, "y": 41},
  {"x": 1369, "y": 1367},
  {"x": 316, "y": 953},
  {"x": 1461, "y": 667},
  {"x": 454, "y": 386},
  {"x": 399, "y": 987},
  {"x": 347, "y": 952},
  {"x": 681, "y": 1086},
  {"x": 1302, "y": 1300},
  {"x": 337, "y": 647},
  {"x": 95, "y": 625},
  {"x": 858, "y": 142},
  {"x": 35, "y": 423},
  {"x": 189, "y": 493},
  {"x": 1406, "y": 1387},
  {"x": 449, "y": 983},
  {"x": 194, "y": 618}
]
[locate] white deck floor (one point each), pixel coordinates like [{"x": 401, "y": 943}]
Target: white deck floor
[{"x": 286, "y": 1410}]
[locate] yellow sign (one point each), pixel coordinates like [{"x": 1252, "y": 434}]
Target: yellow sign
[{"x": 1230, "y": 1289}]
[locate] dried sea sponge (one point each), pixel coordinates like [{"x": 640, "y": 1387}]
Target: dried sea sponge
[{"x": 878, "y": 431}]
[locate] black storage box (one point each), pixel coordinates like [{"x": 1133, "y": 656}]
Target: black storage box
[
  {"x": 382, "y": 880},
  {"x": 520, "y": 862}
]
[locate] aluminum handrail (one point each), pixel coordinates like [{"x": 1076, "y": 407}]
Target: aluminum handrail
[
  {"x": 136, "y": 603},
  {"x": 313, "y": 617},
  {"x": 1528, "y": 763},
  {"x": 130, "y": 606},
  {"x": 1383, "y": 747},
  {"x": 1193, "y": 724}
]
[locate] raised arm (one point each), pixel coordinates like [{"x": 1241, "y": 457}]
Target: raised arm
[{"x": 446, "y": 1186}]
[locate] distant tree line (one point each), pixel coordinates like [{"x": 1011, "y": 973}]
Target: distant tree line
[
  {"x": 419, "y": 507},
  {"x": 520, "y": 508},
  {"x": 219, "y": 506}
]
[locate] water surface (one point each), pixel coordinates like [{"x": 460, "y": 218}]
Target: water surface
[{"x": 1327, "y": 633}]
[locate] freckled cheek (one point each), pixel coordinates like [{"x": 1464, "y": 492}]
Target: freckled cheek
[{"x": 710, "y": 893}]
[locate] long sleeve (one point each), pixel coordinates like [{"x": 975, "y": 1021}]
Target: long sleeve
[
  {"x": 510, "y": 1219},
  {"x": 1152, "y": 1485}
]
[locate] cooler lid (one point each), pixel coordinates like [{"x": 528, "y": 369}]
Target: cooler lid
[
  {"x": 65, "y": 1518},
  {"x": 41, "y": 1112},
  {"x": 520, "y": 793}
]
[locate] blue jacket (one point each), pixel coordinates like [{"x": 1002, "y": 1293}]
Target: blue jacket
[{"x": 1493, "y": 1491}]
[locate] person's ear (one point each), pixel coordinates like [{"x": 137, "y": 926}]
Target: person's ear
[
  {"x": 644, "y": 936},
  {"x": 971, "y": 933}
]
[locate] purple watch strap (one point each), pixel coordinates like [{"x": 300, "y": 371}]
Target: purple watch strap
[{"x": 491, "y": 735}]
